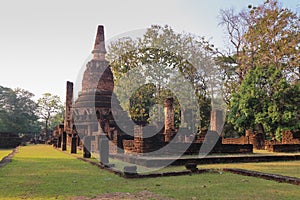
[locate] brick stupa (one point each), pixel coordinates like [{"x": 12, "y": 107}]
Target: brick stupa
[{"x": 92, "y": 111}]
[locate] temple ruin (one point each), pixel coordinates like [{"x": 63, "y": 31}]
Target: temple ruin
[{"x": 89, "y": 121}]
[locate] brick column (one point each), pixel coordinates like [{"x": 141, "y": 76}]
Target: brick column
[
  {"x": 74, "y": 138},
  {"x": 64, "y": 141},
  {"x": 59, "y": 141},
  {"x": 169, "y": 118},
  {"x": 74, "y": 143},
  {"x": 68, "y": 108},
  {"x": 60, "y": 134},
  {"x": 216, "y": 121}
]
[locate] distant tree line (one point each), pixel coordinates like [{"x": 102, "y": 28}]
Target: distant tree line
[{"x": 20, "y": 114}]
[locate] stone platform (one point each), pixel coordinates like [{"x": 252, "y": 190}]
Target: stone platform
[{"x": 211, "y": 159}]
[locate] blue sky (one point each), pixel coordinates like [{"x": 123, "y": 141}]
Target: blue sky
[{"x": 45, "y": 43}]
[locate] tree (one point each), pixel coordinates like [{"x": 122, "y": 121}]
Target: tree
[
  {"x": 17, "y": 111},
  {"x": 262, "y": 69},
  {"x": 57, "y": 119},
  {"x": 266, "y": 100},
  {"x": 49, "y": 106},
  {"x": 260, "y": 36},
  {"x": 161, "y": 57},
  {"x": 141, "y": 102}
]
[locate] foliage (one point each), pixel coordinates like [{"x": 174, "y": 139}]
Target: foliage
[
  {"x": 272, "y": 39},
  {"x": 262, "y": 69},
  {"x": 264, "y": 35},
  {"x": 50, "y": 110},
  {"x": 141, "y": 102},
  {"x": 57, "y": 119},
  {"x": 265, "y": 99},
  {"x": 17, "y": 111},
  {"x": 158, "y": 57}
]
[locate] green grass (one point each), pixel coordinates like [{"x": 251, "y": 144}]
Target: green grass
[
  {"x": 42, "y": 172},
  {"x": 4, "y": 152}
]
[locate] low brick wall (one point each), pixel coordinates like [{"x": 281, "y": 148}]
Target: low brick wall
[
  {"x": 128, "y": 146},
  {"x": 159, "y": 161},
  {"x": 9, "y": 140},
  {"x": 187, "y": 148},
  {"x": 285, "y": 148},
  {"x": 290, "y": 137},
  {"x": 256, "y": 139},
  {"x": 241, "y": 140},
  {"x": 233, "y": 148}
]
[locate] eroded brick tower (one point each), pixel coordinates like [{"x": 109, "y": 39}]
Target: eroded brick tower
[
  {"x": 92, "y": 111},
  {"x": 92, "y": 108}
]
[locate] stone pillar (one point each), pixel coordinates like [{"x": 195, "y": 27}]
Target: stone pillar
[
  {"x": 103, "y": 149},
  {"x": 169, "y": 114},
  {"x": 216, "y": 121},
  {"x": 68, "y": 108},
  {"x": 102, "y": 145},
  {"x": 59, "y": 141},
  {"x": 216, "y": 128},
  {"x": 78, "y": 140},
  {"x": 64, "y": 141},
  {"x": 74, "y": 144},
  {"x": 169, "y": 118},
  {"x": 60, "y": 135},
  {"x": 74, "y": 140},
  {"x": 96, "y": 143},
  {"x": 249, "y": 134},
  {"x": 87, "y": 146}
]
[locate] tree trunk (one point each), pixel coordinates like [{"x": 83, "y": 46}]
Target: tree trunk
[{"x": 46, "y": 128}]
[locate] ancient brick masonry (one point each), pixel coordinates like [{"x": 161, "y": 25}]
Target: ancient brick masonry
[
  {"x": 144, "y": 142},
  {"x": 69, "y": 129},
  {"x": 216, "y": 120},
  {"x": 92, "y": 110},
  {"x": 169, "y": 119},
  {"x": 290, "y": 137},
  {"x": 254, "y": 138},
  {"x": 290, "y": 142},
  {"x": 68, "y": 122}
]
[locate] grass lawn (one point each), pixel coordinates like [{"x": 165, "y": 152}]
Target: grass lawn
[
  {"x": 4, "y": 152},
  {"x": 42, "y": 172}
]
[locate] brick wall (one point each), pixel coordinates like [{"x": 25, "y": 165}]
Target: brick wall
[
  {"x": 290, "y": 137},
  {"x": 9, "y": 140}
]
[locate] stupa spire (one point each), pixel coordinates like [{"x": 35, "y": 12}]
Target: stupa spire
[{"x": 99, "y": 50}]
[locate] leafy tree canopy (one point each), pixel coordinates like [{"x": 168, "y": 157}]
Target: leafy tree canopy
[
  {"x": 161, "y": 56},
  {"x": 50, "y": 110},
  {"x": 17, "y": 111}
]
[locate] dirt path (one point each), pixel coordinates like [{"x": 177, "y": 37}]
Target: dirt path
[
  {"x": 8, "y": 158},
  {"x": 118, "y": 195}
]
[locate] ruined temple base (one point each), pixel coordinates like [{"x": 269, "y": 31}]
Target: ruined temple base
[{"x": 211, "y": 159}]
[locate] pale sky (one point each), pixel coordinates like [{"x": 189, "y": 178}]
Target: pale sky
[{"x": 43, "y": 44}]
